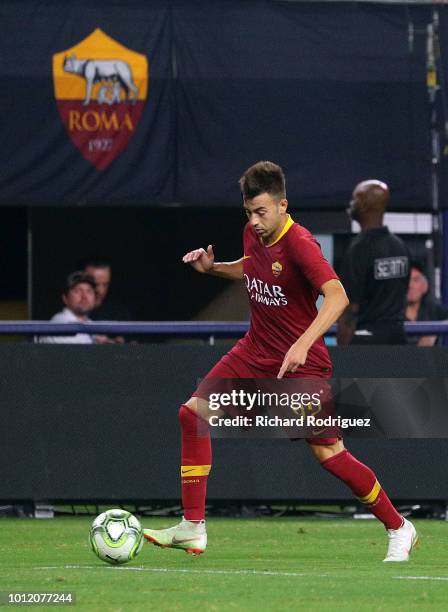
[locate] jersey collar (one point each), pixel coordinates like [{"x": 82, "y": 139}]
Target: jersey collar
[{"x": 289, "y": 223}]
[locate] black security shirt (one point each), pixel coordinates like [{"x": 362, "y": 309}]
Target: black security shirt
[{"x": 376, "y": 275}]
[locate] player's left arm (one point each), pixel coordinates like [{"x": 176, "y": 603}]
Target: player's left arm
[{"x": 335, "y": 302}]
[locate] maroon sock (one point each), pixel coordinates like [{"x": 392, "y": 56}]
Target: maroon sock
[
  {"x": 196, "y": 463},
  {"x": 363, "y": 483}
]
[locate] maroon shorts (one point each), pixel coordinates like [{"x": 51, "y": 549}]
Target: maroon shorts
[{"x": 233, "y": 365}]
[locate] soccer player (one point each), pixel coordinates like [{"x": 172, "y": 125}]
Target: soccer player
[{"x": 284, "y": 272}]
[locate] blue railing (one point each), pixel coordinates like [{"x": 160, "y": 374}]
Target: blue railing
[{"x": 172, "y": 328}]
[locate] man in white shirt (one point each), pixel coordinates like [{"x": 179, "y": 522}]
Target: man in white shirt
[{"x": 78, "y": 297}]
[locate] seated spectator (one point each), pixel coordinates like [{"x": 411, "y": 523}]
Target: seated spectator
[
  {"x": 421, "y": 307},
  {"x": 105, "y": 309},
  {"x": 78, "y": 296}
]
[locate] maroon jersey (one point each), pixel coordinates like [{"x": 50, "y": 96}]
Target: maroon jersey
[{"x": 283, "y": 282}]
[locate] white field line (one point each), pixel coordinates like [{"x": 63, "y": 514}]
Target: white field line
[
  {"x": 183, "y": 571},
  {"x": 421, "y": 577},
  {"x": 167, "y": 570}
]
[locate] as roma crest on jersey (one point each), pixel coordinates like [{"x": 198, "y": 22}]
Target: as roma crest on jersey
[
  {"x": 101, "y": 88},
  {"x": 277, "y": 268}
]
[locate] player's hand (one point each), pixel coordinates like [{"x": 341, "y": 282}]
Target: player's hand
[
  {"x": 200, "y": 260},
  {"x": 294, "y": 358}
]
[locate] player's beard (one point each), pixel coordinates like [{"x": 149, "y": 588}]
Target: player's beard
[
  {"x": 270, "y": 233},
  {"x": 261, "y": 233},
  {"x": 266, "y": 236}
]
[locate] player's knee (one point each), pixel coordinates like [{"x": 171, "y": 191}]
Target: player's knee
[
  {"x": 191, "y": 424},
  {"x": 192, "y": 404},
  {"x": 325, "y": 451},
  {"x": 188, "y": 419}
]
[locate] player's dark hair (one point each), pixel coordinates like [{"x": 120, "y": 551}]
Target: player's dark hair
[{"x": 263, "y": 177}]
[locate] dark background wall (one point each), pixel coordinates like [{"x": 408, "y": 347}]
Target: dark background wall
[
  {"x": 14, "y": 253},
  {"x": 100, "y": 423},
  {"x": 145, "y": 246}
]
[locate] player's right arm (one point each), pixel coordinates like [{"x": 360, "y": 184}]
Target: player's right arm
[{"x": 204, "y": 262}]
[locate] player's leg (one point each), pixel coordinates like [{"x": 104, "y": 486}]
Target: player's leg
[
  {"x": 364, "y": 485},
  {"x": 196, "y": 458}
]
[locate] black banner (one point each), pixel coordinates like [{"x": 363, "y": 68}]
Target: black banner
[
  {"x": 150, "y": 102},
  {"x": 87, "y": 105},
  {"x": 331, "y": 92}
]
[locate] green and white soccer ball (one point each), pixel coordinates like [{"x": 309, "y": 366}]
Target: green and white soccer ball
[{"x": 116, "y": 536}]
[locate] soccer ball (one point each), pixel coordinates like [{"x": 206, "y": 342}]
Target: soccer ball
[{"x": 116, "y": 536}]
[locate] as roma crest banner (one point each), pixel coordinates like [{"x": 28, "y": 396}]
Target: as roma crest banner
[
  {"x": 101, "y": 88},
  {"x": 88, "y": 107}
]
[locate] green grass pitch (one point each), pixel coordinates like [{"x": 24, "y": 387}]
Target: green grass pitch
[{"x": 250, "y": 564}]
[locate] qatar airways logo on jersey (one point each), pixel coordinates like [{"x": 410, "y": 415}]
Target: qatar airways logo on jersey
[{"x": 263, "y": 293}]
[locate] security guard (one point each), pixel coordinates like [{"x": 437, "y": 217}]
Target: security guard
[{"x": 375, "y": 273}]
